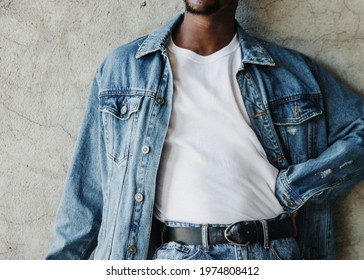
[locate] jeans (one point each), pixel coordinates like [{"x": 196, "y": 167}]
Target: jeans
[{"x": 280, "y": 249}]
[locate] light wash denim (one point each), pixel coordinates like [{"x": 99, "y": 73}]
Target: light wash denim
[
  {"x": 281, "y": 249},
  {"x": 310, "y": 125}
]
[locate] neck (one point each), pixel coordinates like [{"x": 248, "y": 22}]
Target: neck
[{"x": 205, "y": 35}]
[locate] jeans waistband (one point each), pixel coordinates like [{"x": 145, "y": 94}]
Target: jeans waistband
[{"x": 186, "y": 224}]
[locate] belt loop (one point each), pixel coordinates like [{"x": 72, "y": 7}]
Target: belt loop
[
  {"x": 205, "y": 236},
  {"x": 265, "y": 234}
]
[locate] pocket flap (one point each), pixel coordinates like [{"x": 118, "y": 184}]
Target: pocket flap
[
  {"x": 120, "y": 106},
  {"x": 295, "y": 110}
]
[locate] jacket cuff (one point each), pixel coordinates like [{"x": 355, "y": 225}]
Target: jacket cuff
[{"x": 285, "y": 194}]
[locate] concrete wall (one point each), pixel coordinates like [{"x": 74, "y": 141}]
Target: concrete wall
[{"x": 48, "y": 53}]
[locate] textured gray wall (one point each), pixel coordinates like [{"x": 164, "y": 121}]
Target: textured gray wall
[{"x": 48, "y": 53}]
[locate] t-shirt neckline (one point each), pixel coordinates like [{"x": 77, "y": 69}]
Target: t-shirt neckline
[{"x": 228, "y": 49}]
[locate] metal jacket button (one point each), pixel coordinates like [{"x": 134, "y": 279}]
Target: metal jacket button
[
  {"x": 124, "y": 110},
  {"x": 132, "y": 250},
  {"x": 139, "y": 197},
  {"x": 289, "y": 201},
  {"x": 145, "y": 149},
  {"x": 159, "y": 100}
]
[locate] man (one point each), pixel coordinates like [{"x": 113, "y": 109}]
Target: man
[{"x": 214, "y": 138}]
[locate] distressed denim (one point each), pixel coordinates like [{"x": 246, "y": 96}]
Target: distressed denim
[{"x": 310, "y": 125}]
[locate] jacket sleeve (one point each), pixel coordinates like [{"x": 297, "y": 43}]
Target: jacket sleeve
[
  {"x": 79, "y": 215},
  {"x": 341, "y": 165}
]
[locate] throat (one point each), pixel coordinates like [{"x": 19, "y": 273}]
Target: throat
[{"x": 203, "y": 36}]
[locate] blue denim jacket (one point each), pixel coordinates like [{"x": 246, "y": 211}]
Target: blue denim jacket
[{"x": 311, "y": 127}]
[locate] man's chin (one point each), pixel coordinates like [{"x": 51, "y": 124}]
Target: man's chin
[{"x": 206, "y": 10}]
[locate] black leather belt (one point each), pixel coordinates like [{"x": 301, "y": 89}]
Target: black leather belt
[{"x": 240, "y": 233}]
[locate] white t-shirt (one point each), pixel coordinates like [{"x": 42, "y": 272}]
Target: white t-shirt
[{"x": 213, "y": 169}]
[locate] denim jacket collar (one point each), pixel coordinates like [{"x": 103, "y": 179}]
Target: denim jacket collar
[{"x": 252, "y": 50}]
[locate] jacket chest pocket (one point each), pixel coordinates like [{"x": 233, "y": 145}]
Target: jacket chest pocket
[
  {"x": 119, "y": 118},
  {"x": 296, "y": 120}
]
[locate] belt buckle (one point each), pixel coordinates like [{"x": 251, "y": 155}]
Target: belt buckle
[{"x": 227, "y": 235}]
